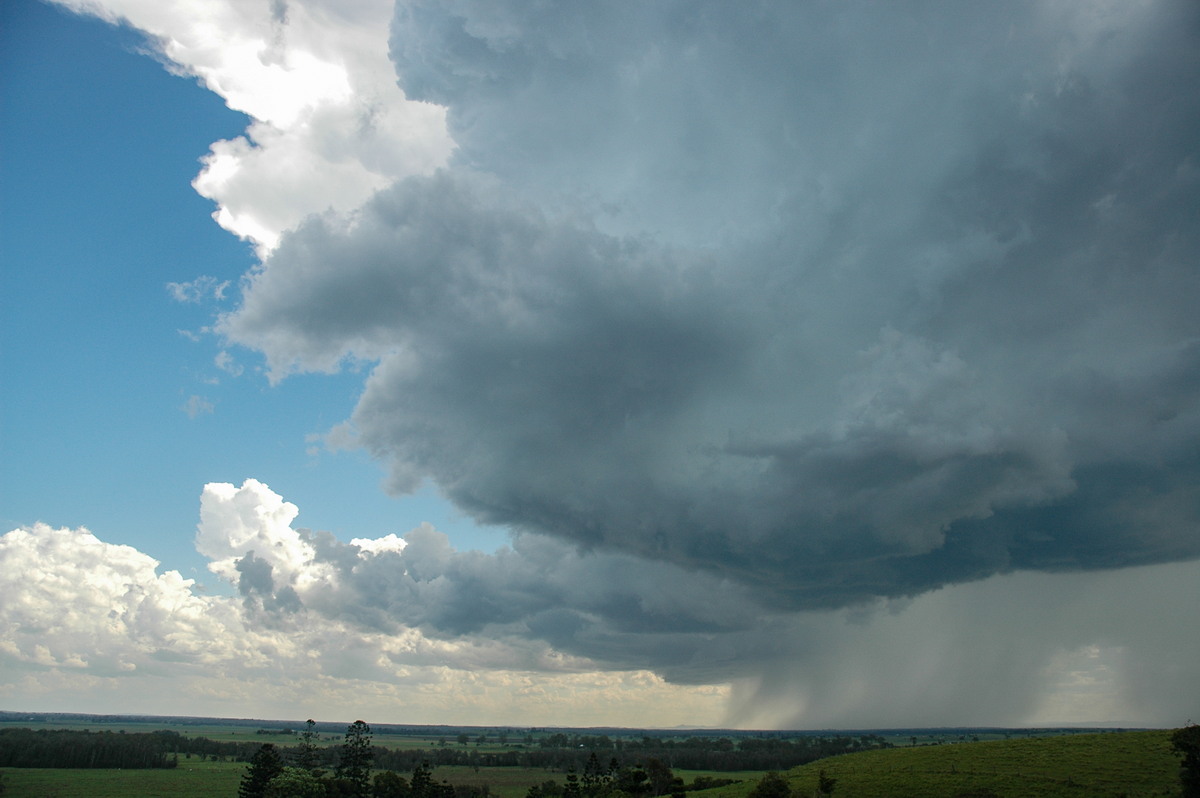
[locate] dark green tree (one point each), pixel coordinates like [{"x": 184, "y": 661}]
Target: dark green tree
[
  {"x": 295, "y": 783},
  {"x": 825, "y": 784},
  {"x": 1186, "y": 741},
  {"x": 662, "y": 780},
  {"x": 547, "y": 789},
  {"x": 421, "y": 784},
  {"x": 307, "y": 756},
  {"x": 633, "y": 781},
  {"x": 265, "y": 765},
  {"x": 571, "y": 789},
  {"x": 595, "y": 778},
  {"x": 354, "y": 760},
  {"x": 772, "y": 785},
  {"x": 390, "y": 784}
]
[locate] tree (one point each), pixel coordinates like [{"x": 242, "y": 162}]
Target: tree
[
  {"x": 632, "y": 781},
  {"x": 662, "y": 780},
  {"x": 354, "y": 760},
  {"x": 547, "y": 789},
  {"x": 295, "y": 783},
  {"x": 389, "y": 784},
  {"x": 571, "y": 788},
  {"x": 265, "y": 765},
  {"x": 772, "y": 785},
  {"x": 307, "y": 756},
  {"x": 422, "y": 781},
  {"x": 595, "y": 778},
  {"x": 825, "y": 784},
  {"x": 1187, "y": 742}
]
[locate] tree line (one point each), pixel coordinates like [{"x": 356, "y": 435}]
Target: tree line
[
  {"x": 23, "y": 747},
  {"x": 64, "y": 748},
  {"x": 564, "y": 753},
  {"x": 638, "y": 769},
  {"x": 299, "y": 772}
]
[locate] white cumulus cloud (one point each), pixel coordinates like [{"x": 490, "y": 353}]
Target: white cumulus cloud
[{"x": 329, "y": 125}]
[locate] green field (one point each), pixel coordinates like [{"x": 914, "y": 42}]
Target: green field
[
  {"x": 192, "y": 779},
  {"x": 1129, "y": 764},
  {"x": 1107, "y": 765}
]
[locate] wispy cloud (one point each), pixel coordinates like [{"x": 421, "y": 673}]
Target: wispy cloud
[
  {"x": 196, "y": 406},
  {"x": 198, "y": 290}
]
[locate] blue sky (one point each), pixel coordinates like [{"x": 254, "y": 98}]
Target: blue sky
[
  {"x": 826, "y": 366},
  {"x": 101, "y": 145}
]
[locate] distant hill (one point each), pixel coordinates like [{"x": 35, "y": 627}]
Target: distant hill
[{"x": 1111, "y": 765}]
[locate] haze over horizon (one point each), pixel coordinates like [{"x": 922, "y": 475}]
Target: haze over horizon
[{"x": 761, "y": 365}]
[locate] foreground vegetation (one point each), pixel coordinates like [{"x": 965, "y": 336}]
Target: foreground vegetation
[{"x": 935, "y": 765}]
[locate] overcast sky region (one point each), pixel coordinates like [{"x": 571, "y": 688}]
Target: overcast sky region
[{"x": 687, "y": 362}]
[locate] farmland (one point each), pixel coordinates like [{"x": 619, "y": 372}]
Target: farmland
[
  {"x": 896, "y": 764},
  {"x": 1112, "y": 765}
]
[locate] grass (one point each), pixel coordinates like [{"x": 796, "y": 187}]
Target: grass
[
  {"x": 1113, "y": 765},
  {"x": 195, "y": 779},
  {"x": 1109, "y": 765},
  {"x": 192, "y": 779}
]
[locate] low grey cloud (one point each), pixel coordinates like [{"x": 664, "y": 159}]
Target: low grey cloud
[
  {"x": 783, "y": 308},
  {"x": 1018, "y": 649}
]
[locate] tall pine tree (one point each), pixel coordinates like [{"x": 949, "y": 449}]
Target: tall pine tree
[
  {"x": 265, "y": 765},
  {"x": 354, "y": 761}
]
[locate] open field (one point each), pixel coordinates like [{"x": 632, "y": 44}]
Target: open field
[
  {"x": 1130, "y": 764},
  {"x": 192, "y": 779},
  {"x": 951, "y": 764}
]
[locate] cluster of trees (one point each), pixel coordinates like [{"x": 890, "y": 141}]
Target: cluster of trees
[
  {"x": 570, "y": 752},
  {"x": 299, "y": 772},
  {"x": 72, "y": 748},
  {"x": 642, "y": 779},
  {"x": 64, "y": 748},
  {"x": 699, "y": 753},
  {"x": 776, "y": 785}
]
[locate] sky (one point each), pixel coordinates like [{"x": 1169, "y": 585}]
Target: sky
[{"x": 769, "y": 365}]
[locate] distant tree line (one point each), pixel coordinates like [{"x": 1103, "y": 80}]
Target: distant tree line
[
  {"x": 22, "y": 747},
  {"x": 72, "y": 748},
  {"x": 61, "y": 748},
  {"x": 564, "y": 753},
  {"x": 299, "y": 772}
]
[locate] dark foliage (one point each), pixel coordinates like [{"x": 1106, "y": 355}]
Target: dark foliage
[
  {"x": 353, "y": 772},
  {"x": 62, "y": 748},
  {"x": 574, "y": 754},
  {"x": 825, "y": 783},
  {"x": 265, "y": 765},
  {"x": 772, "y": 785},
  {"x": 307, "y": 755},
  {"x": 1186, "y": 741}
]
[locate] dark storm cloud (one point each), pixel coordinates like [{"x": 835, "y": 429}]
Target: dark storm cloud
[{"x": 829, "y": 302}]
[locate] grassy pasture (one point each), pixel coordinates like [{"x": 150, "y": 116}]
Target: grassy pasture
[
  {"x": 1131, "y": 764},
  {"x": 1107, "y": 765},
  {"x": 192, "y": 779}
]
